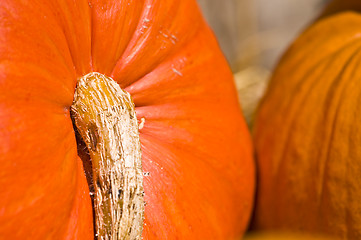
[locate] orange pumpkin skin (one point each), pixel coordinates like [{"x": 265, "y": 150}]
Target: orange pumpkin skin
[
  {"x": 307, "y": 134},
  {"x": 283, "y": 236},
  {"x": 195, "y": 143}
]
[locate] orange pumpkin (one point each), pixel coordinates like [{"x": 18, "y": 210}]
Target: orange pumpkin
[
  {"x": 307, "y": 134},
  {"x": 283, "y": 236},
  {"x": 194, "y": 142}
]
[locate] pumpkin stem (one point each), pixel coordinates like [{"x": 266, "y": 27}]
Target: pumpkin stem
[{"x": 104, "y": 115}]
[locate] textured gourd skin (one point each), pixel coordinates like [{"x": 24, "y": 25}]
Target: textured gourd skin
[
  {"x": 283, "y": 236},
  {"x": 307, "y": 134},
  {"x": 195, "y": 144}
]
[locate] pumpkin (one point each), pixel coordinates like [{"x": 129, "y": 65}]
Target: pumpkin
[
  {"x": 283, "y": 236},
  {"x": 307, "y": 134},
  {"x": 196, "y": 149}
]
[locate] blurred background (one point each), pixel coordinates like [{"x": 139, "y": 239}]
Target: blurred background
[
  {"x": 256, "y": 32},
  {"x": 253, "y": 34}
]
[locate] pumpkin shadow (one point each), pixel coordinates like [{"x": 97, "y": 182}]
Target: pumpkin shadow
[{"x": 83, "y": 154}]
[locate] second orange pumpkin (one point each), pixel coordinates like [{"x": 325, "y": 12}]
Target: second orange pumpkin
[{"x": 307, "y": 133}]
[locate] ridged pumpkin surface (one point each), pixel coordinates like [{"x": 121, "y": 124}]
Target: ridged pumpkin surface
[
  {"x": 307, "y": 134},
  {"x": 195, "y": 144},
  {"x": 283, "y": 236}
]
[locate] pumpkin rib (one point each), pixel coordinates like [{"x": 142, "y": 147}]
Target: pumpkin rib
[
  {"x": 169, "y": 143},
  {"x": 353, "y": 226},
  {"x": 72, "y": 57},
  {"x": 175, "y": 74},
  {"x": 27, "y": 44},
  {"x": 177, "y": 149},
  {"x": 326, "y": 57},
  {"x": 112, "y": 16},
  {"x": 174, "y": 177},
  {"x": 46, "y": 38},
  {"x": 304, "y": 103},
  {"x": 341, "y": 39},
  {"x": 294, "y": 121},
  {"x": 22, "y": 94},
  {"x": 293, "y": 116},
  {"x": 25, "y": 185},
  {"x": 181, "y": 142},
  {"x": 151, "y": 44},
  {"x": 78, "y": 41},
  {"x": 352, "y": 58},
  {"x": 308, "y": 74}
]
